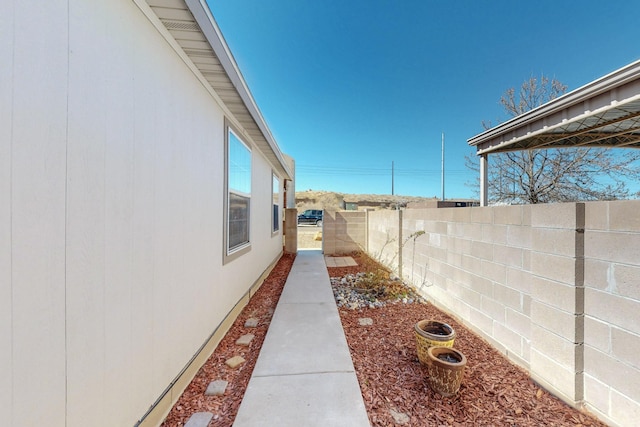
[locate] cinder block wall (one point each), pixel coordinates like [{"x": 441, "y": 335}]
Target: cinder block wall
[
  {"x": 291, "y": 230},
  {"x": 612, "y": 310},
  {"x": 383, "y": 236},
  {"x": 517, "y": 276},
  {"x": 510, "y": 274},
  {"x": 556, "y": 274},
  {"x": 343, "y": 232}
]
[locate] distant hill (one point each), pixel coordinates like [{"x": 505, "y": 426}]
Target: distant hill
[{"x": 336, "y": 201}]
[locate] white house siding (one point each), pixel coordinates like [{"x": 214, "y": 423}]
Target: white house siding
[
  {"x": 111, "y": 222},
  {"x": 32, "y": 179},
  {"x": 6, "y": 100}
]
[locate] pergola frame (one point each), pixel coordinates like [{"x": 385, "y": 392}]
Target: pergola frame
[{"x": 603, "y": 113}]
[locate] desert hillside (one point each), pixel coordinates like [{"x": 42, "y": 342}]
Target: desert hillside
[{"x": 338, "y": 201}]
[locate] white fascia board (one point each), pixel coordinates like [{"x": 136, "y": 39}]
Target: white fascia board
[
  {"x": 612, "y": 80},
  {"x": 212, "y": 33}
]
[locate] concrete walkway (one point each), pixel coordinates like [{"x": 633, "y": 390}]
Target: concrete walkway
[{"x": 304, "y": 375}]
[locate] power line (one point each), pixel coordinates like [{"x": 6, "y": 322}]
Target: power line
[{"x": 363, "y": 171}]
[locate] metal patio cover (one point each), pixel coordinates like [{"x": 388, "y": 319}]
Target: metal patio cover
[{"x": 603, "y": 113}]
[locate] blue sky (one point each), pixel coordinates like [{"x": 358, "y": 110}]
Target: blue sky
[{"x": 348, "y": 86}]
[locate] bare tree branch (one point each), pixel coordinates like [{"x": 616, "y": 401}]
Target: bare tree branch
[{"x": 559, "y": 174}]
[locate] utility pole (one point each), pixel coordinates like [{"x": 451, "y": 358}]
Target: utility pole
[
  {"x": 443, "y": 166},
  {"x": 392, "y": 193}
]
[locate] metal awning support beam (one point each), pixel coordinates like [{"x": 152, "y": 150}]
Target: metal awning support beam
[{"x": 484, "y": 180}]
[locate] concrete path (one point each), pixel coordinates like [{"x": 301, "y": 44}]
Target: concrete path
[{"x": 304, "y": 375}]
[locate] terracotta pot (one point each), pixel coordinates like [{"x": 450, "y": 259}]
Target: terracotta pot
[
  {"x": 446, "y": 369},
  {"x": 431, "y": 333}
]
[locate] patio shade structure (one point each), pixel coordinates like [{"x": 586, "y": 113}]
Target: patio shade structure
[{"x": 604, "y": 113}]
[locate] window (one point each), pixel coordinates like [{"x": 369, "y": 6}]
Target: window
[
  {"x": 238, "y": 203},
  {"x": 276, "y": 201}
]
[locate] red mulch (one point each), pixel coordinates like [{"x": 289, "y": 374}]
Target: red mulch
[
  {"x": 262, "y": 305},
  {"x": 494, "y": 392}
]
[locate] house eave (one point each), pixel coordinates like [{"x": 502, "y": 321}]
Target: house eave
[{"x": 192, "y": 26}]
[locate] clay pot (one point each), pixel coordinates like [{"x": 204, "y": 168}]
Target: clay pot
[
  {"x": 446, "y": 369},
  {"x": 431, "y": 333}
]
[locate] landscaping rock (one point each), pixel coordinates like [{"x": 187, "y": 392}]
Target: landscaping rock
[
  {"x": 251, "y": 323},
  {"x": 399, "y": 417},
  {"x": 245, "y": 340},
  {"x": 350, "y": 293},
  {"x": 234, "y": 362},
  {"x": 216, "y": 388},
  {"x": 199, "y": 419},
  {"x": 365, "y": 321}
]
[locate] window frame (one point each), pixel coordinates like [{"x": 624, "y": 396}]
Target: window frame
[
  {"x": 231, "y": 253},
  {"x": 275, "y": 203}
]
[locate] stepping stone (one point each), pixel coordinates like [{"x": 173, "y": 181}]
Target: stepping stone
[
  {"x": 251, "y": 323},
  {"x": 245, "y": 339},
  {"x": 199, "y": 419},
  {"x": 398, "y": 417},
  {"x": 216, "y": 388},
  {"x": 365, "y": 321},
  {"x": 235, "y": 361}
]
